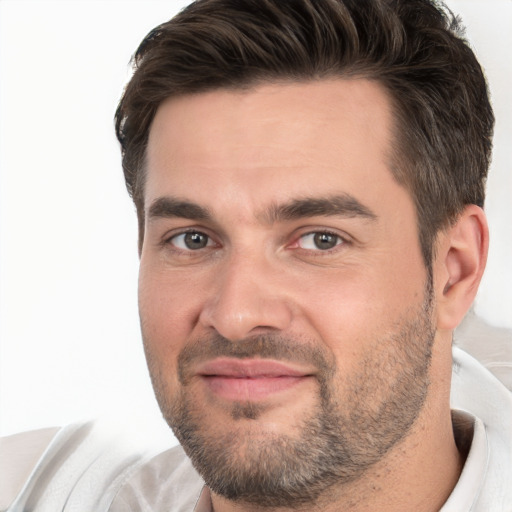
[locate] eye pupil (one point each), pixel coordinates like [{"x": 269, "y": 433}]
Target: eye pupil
[
  {"x": 195, "y": 240},
  {"x": 325, "y": 240}
]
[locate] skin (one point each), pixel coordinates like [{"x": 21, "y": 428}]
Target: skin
[{"x": 238, "y": 154}]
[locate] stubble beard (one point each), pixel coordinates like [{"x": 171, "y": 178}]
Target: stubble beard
[{"x": 333, "y": 445}]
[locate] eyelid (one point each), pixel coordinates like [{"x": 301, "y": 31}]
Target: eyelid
[
  {"x": 344, "y": 239},
  {"x": 169, "y": 236},
  {"x": 336, "y": 239}
]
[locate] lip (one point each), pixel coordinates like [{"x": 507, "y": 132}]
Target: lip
[{"x": 249, "y": 379}]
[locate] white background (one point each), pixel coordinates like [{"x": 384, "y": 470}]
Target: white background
[{"x": 70, "y": 346}]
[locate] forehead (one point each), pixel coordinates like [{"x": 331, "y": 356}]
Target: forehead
[{"x": 283, "y": 140}]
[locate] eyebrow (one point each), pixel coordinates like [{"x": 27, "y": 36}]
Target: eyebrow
[
  {"x": 342, "y": 205},
  {"x": 168, "y": 207}
]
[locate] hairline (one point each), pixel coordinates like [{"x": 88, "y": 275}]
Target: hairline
[{"x": 396, "y": 155}]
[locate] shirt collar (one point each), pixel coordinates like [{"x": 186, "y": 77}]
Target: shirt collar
[{"x": 467, "y": 490}]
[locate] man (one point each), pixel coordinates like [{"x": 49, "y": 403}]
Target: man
[{"x": 309, "y": 182}]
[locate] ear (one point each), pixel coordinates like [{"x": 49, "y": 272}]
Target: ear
[{"x": 459, "y": 265}]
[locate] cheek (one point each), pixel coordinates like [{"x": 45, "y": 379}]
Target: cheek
[
  {"x": 166, "y": 315},
  {"x": 339, "y": 310},
  {"x": 351, "y": 310}
]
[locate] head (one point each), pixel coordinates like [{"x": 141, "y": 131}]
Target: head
[
  {"x": 414, "y": 49},
  {"x": 294, "y": 165}
]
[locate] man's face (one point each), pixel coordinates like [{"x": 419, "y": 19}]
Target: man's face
[{"x": 285, "y": 307}]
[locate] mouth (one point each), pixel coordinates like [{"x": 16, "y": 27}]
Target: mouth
[{"x": 250, "y": 379}]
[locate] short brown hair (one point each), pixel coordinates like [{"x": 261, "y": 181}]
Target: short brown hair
[{"x": 414, "y": 48}]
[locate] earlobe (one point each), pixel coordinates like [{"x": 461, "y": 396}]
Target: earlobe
[{"x": 460, "y": 263}]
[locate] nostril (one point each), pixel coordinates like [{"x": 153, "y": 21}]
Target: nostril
[{"x": 237, "y": 320}]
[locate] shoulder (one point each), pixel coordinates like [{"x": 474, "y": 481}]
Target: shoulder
[
  {"x": 477, "y": 392},
  {"x": 490, "y": 345},
  {"x": 19, "y": 454},
  {"x": 50, "y": 464},
  {"x": 90, "y": 466},
  {"x": 165, "y": 481}
]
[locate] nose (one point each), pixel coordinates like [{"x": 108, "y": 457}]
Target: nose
[{"x": 247, "y": 297}]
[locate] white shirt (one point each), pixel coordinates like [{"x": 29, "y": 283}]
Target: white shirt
[{"x": 85, "y": 470}]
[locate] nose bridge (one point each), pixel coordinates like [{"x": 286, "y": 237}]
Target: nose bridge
[{"x": 246, "y": 297}]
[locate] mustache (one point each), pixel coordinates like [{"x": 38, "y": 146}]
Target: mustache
[{"x": 267, "y": 346}]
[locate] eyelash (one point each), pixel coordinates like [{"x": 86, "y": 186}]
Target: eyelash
[
  {"x": 168, "y": 241},
  {"x": 340, "y": 241}
]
